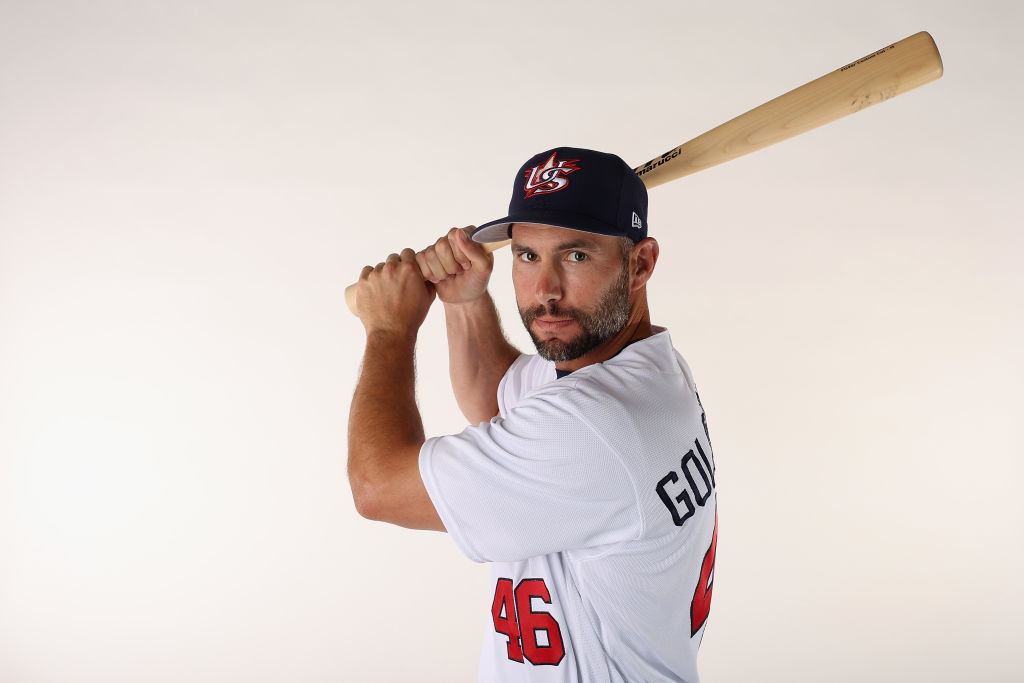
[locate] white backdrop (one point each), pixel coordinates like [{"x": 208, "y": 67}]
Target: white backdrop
[{"x": 186, "y": 188}]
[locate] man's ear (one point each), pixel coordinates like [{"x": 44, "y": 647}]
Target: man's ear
[{"x": 643, "y": 258}]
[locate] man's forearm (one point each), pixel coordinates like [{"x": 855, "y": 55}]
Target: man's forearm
[
  {"x": 384, "y": 422},
  {"x": 478, "y": 356}
]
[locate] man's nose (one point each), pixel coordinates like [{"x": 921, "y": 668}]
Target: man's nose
[{"x": 549, "y": 284}]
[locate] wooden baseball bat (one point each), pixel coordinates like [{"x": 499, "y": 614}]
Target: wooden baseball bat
[{"x": 877, "y": 77}]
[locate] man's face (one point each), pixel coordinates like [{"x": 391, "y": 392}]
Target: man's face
[{"x": 572, "y": 288}]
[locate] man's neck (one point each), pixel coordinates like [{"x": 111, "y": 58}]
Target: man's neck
[{"x": 637, "y": 327}]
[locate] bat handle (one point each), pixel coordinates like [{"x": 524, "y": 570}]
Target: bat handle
[
  {"x": 352, "y": 291},
  {"x": 352, "y": 298}
]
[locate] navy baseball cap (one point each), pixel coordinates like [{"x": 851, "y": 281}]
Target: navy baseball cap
[{"x": 573, "y": 188}]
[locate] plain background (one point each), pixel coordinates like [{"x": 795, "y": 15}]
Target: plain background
[{"x": 187, "y": 187}]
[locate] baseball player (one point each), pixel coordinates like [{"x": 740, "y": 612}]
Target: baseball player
[{"x": 586, "y": 476}]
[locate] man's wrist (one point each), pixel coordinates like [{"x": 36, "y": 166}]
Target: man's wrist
[
  {"x": 391, "y": 337},
  {"x": 467, "y": 307}
]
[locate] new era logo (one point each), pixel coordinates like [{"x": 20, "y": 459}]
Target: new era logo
[{"x": 637, "y": 223}]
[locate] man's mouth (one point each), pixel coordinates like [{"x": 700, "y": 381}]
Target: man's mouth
[{"x": 552, "y": 324}]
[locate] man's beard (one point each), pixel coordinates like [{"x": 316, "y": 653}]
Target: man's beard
[{"x": 598, "y": 325}]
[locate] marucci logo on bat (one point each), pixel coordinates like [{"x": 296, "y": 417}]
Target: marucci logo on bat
[
  {"x": 664, "y": 158},
  {"x": 549, "y": 177}
]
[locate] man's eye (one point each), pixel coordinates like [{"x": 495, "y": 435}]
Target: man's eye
[
  {"x": 528, "y": 256},
  {"x": 577, "y": 256}
]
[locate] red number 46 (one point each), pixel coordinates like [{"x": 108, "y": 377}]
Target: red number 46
[{"x": 532, "y": 634}]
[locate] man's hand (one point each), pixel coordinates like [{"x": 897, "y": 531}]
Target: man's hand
[
  {"x": 459, "y": 267},
  {"x": 393, "y": 296}
]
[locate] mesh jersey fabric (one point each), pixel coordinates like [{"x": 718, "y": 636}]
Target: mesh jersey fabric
[{"x": 569, "y": 492}]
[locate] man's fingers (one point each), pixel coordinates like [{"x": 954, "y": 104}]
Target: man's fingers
[
  {"x": 391, "y": 259},
  {"x": 455, "y": 236},
  {"x": 407, "y": 257},
  {"x": 410, "y": 257},
  {"x": 430, "y": 266},
  {"x": 445, "y": 251},
  {"x": 471, "y": 252}
]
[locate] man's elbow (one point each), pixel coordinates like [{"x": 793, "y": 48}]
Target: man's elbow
[
  {"x": 392, "y": 492},
  {"x": 367, "y": 497}
]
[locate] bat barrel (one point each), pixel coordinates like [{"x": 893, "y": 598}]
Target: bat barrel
[{"x": 872, "y": 79}]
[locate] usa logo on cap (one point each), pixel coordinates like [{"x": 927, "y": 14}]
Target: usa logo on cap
[{"x": 549, "y": 177}]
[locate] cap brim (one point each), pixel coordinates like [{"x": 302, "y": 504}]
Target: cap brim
[
  {"x": 495, "y": 231},
  {"x": 498, "y": 231}
]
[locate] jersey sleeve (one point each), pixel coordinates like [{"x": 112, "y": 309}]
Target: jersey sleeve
[
  {"x": 526, "y": 373},
  {"x": 537, "y": 481}
]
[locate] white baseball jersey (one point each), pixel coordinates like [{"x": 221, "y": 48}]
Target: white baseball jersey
[{"x": 593, "y": 495}]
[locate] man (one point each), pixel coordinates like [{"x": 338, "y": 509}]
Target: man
[{"x": 588, "y": 479}]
